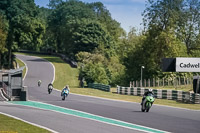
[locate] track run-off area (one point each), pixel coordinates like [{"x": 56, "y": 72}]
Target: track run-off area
[{"x": 85, "y": 114}]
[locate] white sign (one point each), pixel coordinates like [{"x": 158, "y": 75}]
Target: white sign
[{"x": 187, "y": 64}]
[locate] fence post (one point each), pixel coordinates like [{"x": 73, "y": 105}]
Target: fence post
[
  {"x": 184, "y": 80},
  {"x": 163, "y": 82},
  {"x": 168, "y": 81},
  {"x": 158, "y": 82},
  {"x": 133, "y": 83},
  {"x": 153, "y": 82},
  {"x": 149, "y": 83},
  {"x": 130, "y": 84},
  {"x": 145, "y": 83},
  {"x": 136, "y": 83}
]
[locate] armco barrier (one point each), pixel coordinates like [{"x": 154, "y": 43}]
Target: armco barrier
[
  {"x": 99, "y": 86},
  {"x": 188, "y": 97}
]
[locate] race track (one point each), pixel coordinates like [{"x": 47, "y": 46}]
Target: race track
[{"x": 160, "y": 117}]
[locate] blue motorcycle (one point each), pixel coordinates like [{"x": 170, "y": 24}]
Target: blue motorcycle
[{"x": 64, "y": 93}]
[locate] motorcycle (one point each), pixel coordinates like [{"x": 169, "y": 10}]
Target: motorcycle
[
  {"x": 65, "y": 93},
  {"x": 50, "y": 88},
  {"x": 147, "y": 103},
  {"x": 39, "y": 83}
]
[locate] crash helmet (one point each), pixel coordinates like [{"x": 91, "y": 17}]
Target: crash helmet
[{"x": 150, "y": 90}]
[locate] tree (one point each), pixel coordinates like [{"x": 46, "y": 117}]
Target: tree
[
  {"x": 14, "y": 10},
  {"x": 3, "y": 36},
  {"x": 97, "y": 68},
  {"x": 28, "y": 32},
  {"x": 64, "y": 20},
  {"x": 80, "y": 27},
  {"x": 92, "y": 36},
  {"x": 183, "y": 16},
  {"x": 189, "y": 25},
  {"x": 104, "y": 17}
]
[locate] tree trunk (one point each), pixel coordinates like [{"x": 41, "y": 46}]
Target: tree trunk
[{"x": 0, "y": 62}]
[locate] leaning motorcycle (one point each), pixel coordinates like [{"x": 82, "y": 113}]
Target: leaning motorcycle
[
  {"x": 50, "y": 88},
  {"x": 64, "y": 94},
  {"x": 147, "y": 103}
]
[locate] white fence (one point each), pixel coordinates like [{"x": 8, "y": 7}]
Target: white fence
[{"x": 156, "y": 82}]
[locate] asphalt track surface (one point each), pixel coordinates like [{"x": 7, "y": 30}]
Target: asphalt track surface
[{"x": 160, "y": 117}]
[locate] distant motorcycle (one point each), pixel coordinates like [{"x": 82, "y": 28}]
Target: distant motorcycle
[
  {"x": 50, "y": 88},
  {"x": 39, "y": 83},
  {"x": 64, "y": 93},
  {"x": 147, "y": 103}
]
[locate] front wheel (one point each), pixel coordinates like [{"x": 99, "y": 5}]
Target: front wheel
[
  {"x": 148, "y": 106},
  {"x": 63, "y": 97},
  {"x": 49, "y": 90}
]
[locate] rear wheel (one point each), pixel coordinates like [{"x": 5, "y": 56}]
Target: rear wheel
[
  {"x": 142, "y": 110},
  {"x": 142, "y": 107}
]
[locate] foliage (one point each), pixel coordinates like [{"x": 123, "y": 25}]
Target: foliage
[
  {"x": 183, "y": 16},
  {"x": 3, "y": 37},
  {"x": 28, "y": 32},
  {"x": 25, "y": 30},
  {"x": 99, "y": 69},
  {"x": 166, "y": 24}
]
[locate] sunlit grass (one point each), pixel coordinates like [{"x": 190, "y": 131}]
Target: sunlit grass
[
  {"x": 10, "y": 125},
  {"x": 21, "y": 64}
]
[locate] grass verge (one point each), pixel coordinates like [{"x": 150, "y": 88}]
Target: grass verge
[
  {"x": 10, "y": 125},
  {"x": 21, "y": 64},
  {"x": 64, "y": 70}
]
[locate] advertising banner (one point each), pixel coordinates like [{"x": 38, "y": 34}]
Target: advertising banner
[{"x": 187, "y": 64}]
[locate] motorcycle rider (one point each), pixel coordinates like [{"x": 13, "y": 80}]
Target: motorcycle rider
[
  {"x": 65, "y": 88},
  {"x": 50, "y": 86},
  {"x": 150, "y": 91}
]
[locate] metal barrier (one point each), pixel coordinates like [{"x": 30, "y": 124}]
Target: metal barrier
[
  {"x": 188, "y": 97},
  {"x": 99, "y": 86}
]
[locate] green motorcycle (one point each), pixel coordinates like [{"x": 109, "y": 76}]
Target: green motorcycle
[{"x": 147, "y": 103}]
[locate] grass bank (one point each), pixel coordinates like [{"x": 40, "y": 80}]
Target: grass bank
[
  {"x": 10, "y": 125},
  {"x": 21, "y": 64},
  {"x": 71, "y": 75}
]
